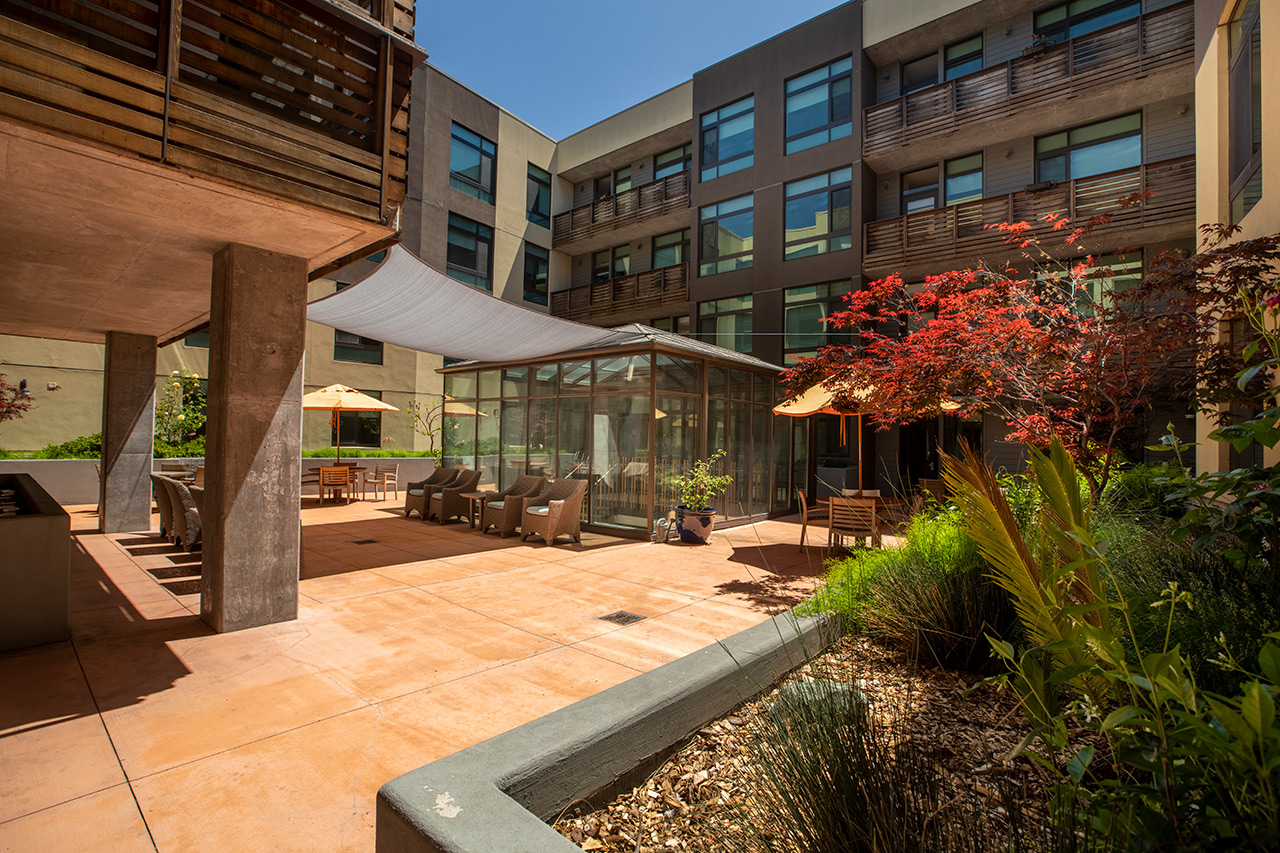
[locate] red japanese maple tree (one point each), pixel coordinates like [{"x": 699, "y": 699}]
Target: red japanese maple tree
[
  {"x": 1050, "y": 350},
  {"x": 13, "y": 402}
]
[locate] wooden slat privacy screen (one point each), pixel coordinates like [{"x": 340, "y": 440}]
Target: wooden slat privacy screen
[
  {"x": 633, "y": 205},
  {"x": 651, "y": 289},
  {"x": 1156, "y": 41},
  {"x": 285, "y": 98}
]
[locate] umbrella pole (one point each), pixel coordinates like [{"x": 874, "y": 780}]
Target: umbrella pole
[
  {"x": 859, "y": 453},
  {"x": 337, "y": 431}
]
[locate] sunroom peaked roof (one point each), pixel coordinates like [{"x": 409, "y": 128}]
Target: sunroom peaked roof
[
  {"x": 637, "y": 334},
  {"x": 409, "y": 304}
]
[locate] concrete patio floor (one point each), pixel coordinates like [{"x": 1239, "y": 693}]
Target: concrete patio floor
[{"x": 147, "y": 731}]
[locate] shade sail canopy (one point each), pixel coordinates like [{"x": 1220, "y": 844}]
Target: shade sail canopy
[
  {"x": 407, "y": 303},
  {"x": 340, "y": 398}
]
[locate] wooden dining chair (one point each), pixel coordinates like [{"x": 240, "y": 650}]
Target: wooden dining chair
[
  {"x": 807, "y": 514},
  {"x": 384, "y": 474},
  {"x": 853, "y": 518},
  {"x": 335, "y": 481}
]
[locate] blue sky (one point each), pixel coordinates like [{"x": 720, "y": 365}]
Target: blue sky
[{"x": 562, "y": 65}]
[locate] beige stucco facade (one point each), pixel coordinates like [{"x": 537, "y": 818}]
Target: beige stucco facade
[{"x": 1213, "y": 203}]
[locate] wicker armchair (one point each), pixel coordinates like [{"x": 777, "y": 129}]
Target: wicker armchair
[
  {"x": 164, "y": 504},
  {"x": 448, "y": 502},
  {"x": 197, "y": 497},
  {"x": 502, "y": 509},
  {"x": 555, "y": 512},
  {"x": 185, "y": 517},
  {"x": 417, "y": 493}
]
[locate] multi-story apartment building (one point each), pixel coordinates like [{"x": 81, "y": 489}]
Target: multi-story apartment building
[
  {"x": 873, "y": 140},
  {"x": 878, "y": 137}
]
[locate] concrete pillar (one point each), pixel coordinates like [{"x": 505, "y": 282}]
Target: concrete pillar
[
  {"x": 253, "y": 436},
  {"x": 128, "y": 431}
]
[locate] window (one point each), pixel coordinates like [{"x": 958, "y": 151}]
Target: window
[
  {"x": 670, "y": 250},
  {"x": 964, "y": 179},
  {"x": 726, "y": 234},
  {"x": 199, "y": 340},
  {"x": 820, "y": 105},
  {"x": 618, "y": 181},
  {"x": 350, "y": 347},
  {"x": 920, "y": 190},
  {"x": 471, "y": 159},
  {"x": 536, "y": 263},
  {"x": 726, "y": 323},
  {"x": 1080, "y": 17},
  {"x": 672, "y": 162},
  {"x": 919, "y": 74},
  {"x": 804, "y": 310},
  {"x": 678, "y": 325},
  {"x": 469, "y": 255},
  {"x": 1105, "y": 275},
  {"x": 1244, "y": 109},
  {"x": 1090, "y": 150},
  {"x": 611, "y": 263},
  {"x": 538, "y": 197},
  {"x": 728, "y": 139},
  {"x": 817, "y": 215},
  {"x": 963, "y": 57},
  {"x": 359, "y": 429}
]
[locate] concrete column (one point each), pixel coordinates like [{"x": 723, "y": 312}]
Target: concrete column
[
  {"x": 257, "y": 329},
  {"x": 128, "y": 430}
]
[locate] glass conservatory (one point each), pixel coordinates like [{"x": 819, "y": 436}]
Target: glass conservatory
[{"x": 629, "y": 416}]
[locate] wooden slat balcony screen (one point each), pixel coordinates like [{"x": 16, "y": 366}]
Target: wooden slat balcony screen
[
  {"x": 651, "y": 289},
  {"x": 1076, "y": 67},
  {"x": 288, "y": 99},
  {"x": 633, "y": 205},
  {"x": 961, "y": 231}
]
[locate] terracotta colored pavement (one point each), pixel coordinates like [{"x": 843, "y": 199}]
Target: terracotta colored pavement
[{"x": 147, "y": 731}]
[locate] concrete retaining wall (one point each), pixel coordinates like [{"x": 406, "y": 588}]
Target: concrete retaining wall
[
  {"x": 498, "y": 795},
  {"x": 75, "y": 481}
]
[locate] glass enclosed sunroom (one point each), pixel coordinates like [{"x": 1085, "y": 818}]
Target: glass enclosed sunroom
[{"x": 629, "y": 416}]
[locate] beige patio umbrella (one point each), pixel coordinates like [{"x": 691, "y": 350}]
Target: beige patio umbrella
[
  {"x": 816, "y": 400},
  {"x": 340, "y": 398}
]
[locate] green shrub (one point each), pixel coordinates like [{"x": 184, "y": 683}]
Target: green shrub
[
  {"x": 930, "y": 597},
  {"x": 193, "y": 448},
  {"x": 1145, "y": 492},
  {"x": 84, "y": 447},
  {"x": 832, "y": 776},
  {"x": 330, "y": 453}
]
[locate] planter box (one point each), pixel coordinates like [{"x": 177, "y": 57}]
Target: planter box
[
  {"x": 35, "y": 569},
  {"x": 498, "y": 795}
]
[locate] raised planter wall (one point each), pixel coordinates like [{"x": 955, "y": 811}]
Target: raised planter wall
[
  {"x": 35, "y": 579},
  {"x": 498, "y": 795}
]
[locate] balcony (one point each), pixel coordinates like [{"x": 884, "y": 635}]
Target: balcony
[
  {"x": 618, "y": 298},
  {"x": 305, "y": 100},
  {"x": 1124, "y": 66},
  {"x": 613, "y": 220},
  {"x": 918, "y": 243}
]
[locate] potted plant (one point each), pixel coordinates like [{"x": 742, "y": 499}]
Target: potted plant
[
  {"x": 1039, "y": 44},
  {"x": 694, "y": 514}
]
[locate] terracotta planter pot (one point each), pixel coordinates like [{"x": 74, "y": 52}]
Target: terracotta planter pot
[{"x": 695, "y": 526}]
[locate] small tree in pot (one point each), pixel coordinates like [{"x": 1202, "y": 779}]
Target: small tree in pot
[{"x": 694, "y": 513}]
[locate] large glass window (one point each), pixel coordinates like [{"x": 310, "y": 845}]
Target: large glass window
[
  {"x": 726, "y": 231},
  {"x": 964, "y": 179},
  {"x": 963, "y": 57},
  {"x": 817, "y": 215},
  {"x": 672, "y": 162},
  {"x": 919, "y": 73},
  {"x": 536, "y": 264},
  {"x": 611, "y": 263},
  {"x": 538, "y": 197},
  {"x": 469, "y": 254},
  {"x": 359, "y": 429},
  {"x": 820, "y": 105},
  {"x": 351, "y": 347},
  {"x": 617, "y": 181},
  {"x": 920, "y": 190},
  {"x": 620, "y": 459},
  {"x": 804, "y": 311},
  {"x": 1244, "y": 122},
  {"x": 670, "y": 250},
  {"x": 726, "y": 322},
  {"x": 1104, "y": 146},
  {"x": 728, "y": 139},
  {"x": 471, "y": 159},
  {"x": 1080, "y": 17}
]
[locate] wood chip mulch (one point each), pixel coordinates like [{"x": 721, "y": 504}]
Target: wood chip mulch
[{"x": 693, "y": 802}]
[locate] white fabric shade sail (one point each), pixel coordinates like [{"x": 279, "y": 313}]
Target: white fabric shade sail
[{"x": 407, "y": 303}]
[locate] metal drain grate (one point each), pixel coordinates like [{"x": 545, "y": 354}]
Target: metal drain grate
[
  {"x": 363, "y": 541},
  {"x": 622, "y": 617}
]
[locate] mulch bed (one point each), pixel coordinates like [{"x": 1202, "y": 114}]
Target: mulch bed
[{"x": 693, "y": 802}]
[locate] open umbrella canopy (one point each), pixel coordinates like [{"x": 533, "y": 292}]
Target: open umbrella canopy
[
  {"x": 344, "y": 399},
  {"x": 817, "y": 401}
]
